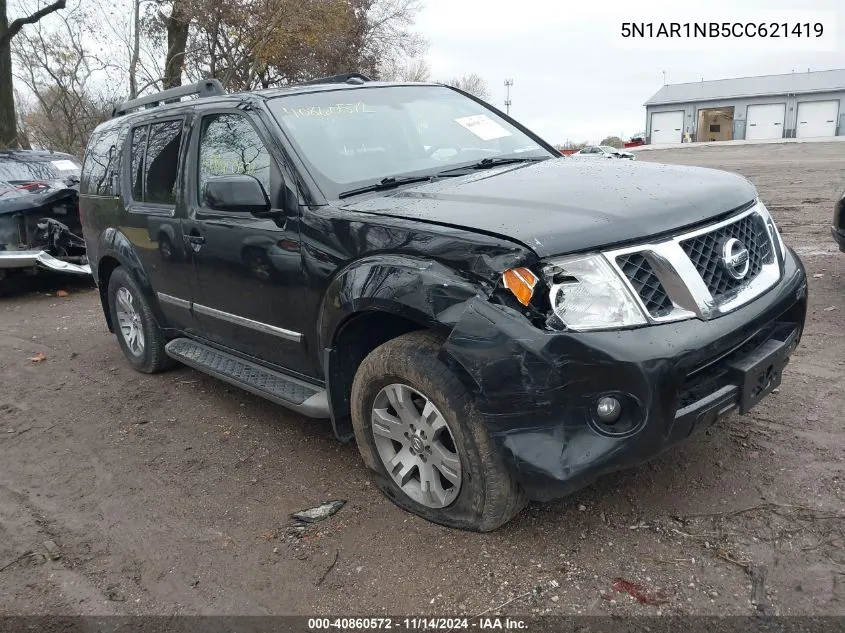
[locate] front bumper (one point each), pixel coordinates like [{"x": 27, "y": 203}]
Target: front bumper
[
  {"x": 42, "y": 259},
  {"x": 536, "y": 390}
]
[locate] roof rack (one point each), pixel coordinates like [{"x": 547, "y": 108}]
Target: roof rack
[
  {"x": 204, "y": 88},
  {"x": 346, "y": 78}
]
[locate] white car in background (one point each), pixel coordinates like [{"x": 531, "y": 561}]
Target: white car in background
[{"x": 602, "y": 151}]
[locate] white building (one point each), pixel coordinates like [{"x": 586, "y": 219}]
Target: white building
[{"x": 808, "y": 104}]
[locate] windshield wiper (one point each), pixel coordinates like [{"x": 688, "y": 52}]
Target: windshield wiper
[
  {"x": 391, "y": 182},
  {"x": 487, "y": 163}
]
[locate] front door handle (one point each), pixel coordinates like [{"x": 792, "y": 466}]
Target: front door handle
[{"x": 194, "y": 239}]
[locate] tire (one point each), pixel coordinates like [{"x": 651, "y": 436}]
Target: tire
[
  {"x": 150, "y": 358},
  {"x": 487, "y": 496}
]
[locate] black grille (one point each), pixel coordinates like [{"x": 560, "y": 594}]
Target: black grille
[
  {"x": 645, "y": 282},
  {"x": 705, "y": 251}
]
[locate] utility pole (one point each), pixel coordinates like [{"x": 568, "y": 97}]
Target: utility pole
[{"x": 508, "y": 84}]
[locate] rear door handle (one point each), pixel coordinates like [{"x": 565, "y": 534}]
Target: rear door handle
[{"x": 194, "y": 239}]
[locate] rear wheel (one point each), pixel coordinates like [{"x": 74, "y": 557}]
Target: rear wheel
[
  {"x": 419, "y": 432},
  {"x": 138, "y": 334}
]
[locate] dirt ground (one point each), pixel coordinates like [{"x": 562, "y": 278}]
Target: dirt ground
[{"x": 171, "y": 494}]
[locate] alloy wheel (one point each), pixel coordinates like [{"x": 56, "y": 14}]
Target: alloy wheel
[
  {"x": 416, "y": 445},
  {"x": 129, "y": 321}
]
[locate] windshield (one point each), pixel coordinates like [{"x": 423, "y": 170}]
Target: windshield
[
  {"x": 13, "y": 170},
  {"x": 610, "y": 149},
  {"x": 354, "y": 138}
]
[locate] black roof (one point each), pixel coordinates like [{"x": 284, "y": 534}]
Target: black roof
[
  {"x": 265, "y": 94},
  {"x": 271, "y": 93}
]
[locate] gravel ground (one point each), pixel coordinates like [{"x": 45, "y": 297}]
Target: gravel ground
[{"x": 171, "y": 494}]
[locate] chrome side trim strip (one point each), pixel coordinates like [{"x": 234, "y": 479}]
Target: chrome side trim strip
[
  {"x": 289, "y": 335},
  {"x": 176, "y": 301}
]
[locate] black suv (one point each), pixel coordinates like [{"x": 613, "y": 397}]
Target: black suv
[{"x": 491, "y": 322}]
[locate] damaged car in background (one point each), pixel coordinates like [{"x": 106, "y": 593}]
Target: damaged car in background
[{"x": 39, "y": 214}]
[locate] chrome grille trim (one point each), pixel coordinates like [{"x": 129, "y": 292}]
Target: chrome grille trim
[{"x": 684, "y": 284}]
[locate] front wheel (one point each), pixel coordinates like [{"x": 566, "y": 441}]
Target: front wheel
[
  {"x": 418, "y": 430},
  {"x": 138, "y": 334}
]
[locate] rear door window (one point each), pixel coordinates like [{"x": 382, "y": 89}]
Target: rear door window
[
  {"x": 154, "y": 152},
  {"x": 162, "y": 162}
]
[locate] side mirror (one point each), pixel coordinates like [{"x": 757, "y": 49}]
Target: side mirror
[{"x": 237, "y": 193}]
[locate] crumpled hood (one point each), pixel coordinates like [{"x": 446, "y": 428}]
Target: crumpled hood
[
  {"x": 560, "y": 206},
  {"x": 17, "y": 196}
]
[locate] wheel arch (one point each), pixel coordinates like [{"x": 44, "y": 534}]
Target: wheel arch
[
  {"x": 372, "y": 302},
  {"x": 116, "y": 250}
]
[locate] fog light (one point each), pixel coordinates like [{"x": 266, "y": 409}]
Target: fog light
[{"x": 608, "y": 409}]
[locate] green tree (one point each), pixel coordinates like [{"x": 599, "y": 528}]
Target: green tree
[{"x": 613, "y": 141}]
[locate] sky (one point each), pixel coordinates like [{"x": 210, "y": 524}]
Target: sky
[{"x": 576, "y": 78}]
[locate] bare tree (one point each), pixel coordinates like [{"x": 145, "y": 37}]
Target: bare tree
[
  {"x": 58, "y": 71},
  {"x": 417, "y": 69},
  {"x": 133, "y": 40},
  {"x": 8, "y": 30},
  {"x": 177, "y": 25},
  {"x": 471, "y": 83}
]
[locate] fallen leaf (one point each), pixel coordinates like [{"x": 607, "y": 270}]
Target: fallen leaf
[
  {"x": 267, "y": 535},
  {"x": 38, "y": 357},
  {"x": 640, "y": 593},
  {"x": 62, "y": 293}
]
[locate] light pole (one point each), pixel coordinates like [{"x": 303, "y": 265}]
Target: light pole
[{"x": 508, "y": 84}]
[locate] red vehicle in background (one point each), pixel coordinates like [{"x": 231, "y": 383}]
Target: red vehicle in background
[{"x": 636, "y": 141}]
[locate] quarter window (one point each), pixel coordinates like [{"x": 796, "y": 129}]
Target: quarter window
[
  {"x": 230, "y": 145},
  {"x": 139, "y": 146},
  {"x": 100, "y": 163}
]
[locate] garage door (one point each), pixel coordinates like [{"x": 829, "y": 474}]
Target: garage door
[
  {"x": 764, "y": 121},
  {"x": 817, "y": 118},
  {"x": 667, "y": 127}
]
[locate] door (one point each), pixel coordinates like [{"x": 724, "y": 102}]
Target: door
[
  {"x": 667, "y": 127},
  {"x": 153, "y": 219},
  {"x": 817, "y": 118},
  {"x": 764, "y": 121},
  {"x": 249, "y": 269}
]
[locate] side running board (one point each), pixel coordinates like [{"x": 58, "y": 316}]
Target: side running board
[{"x": 289, "y": 392}]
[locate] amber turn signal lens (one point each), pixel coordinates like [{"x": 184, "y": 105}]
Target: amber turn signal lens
[{"x": 521, "y": 282}]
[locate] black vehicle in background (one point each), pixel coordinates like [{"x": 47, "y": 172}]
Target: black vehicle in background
[
  {"x": 39, "y": 213},
  {"x": 489, "y": 321}
]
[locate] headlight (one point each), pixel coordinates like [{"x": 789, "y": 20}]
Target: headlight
[
  {"x": 772, "y": 228},
  {"x": 587, "y": 294}
]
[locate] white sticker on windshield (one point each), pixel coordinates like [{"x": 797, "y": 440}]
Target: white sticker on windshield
[
  {"x": 483, "y": 127},
  {"x": 65, "y": 165}
]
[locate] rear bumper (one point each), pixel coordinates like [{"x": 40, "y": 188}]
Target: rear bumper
[
  {"x": 42, "y": 259},
  {"x": 536, "y": 390}
]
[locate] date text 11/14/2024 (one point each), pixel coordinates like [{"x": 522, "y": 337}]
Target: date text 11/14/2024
[{"x": 416, "y": 624}]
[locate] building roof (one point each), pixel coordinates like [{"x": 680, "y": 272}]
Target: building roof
[{"x": 817, "y": 81}]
